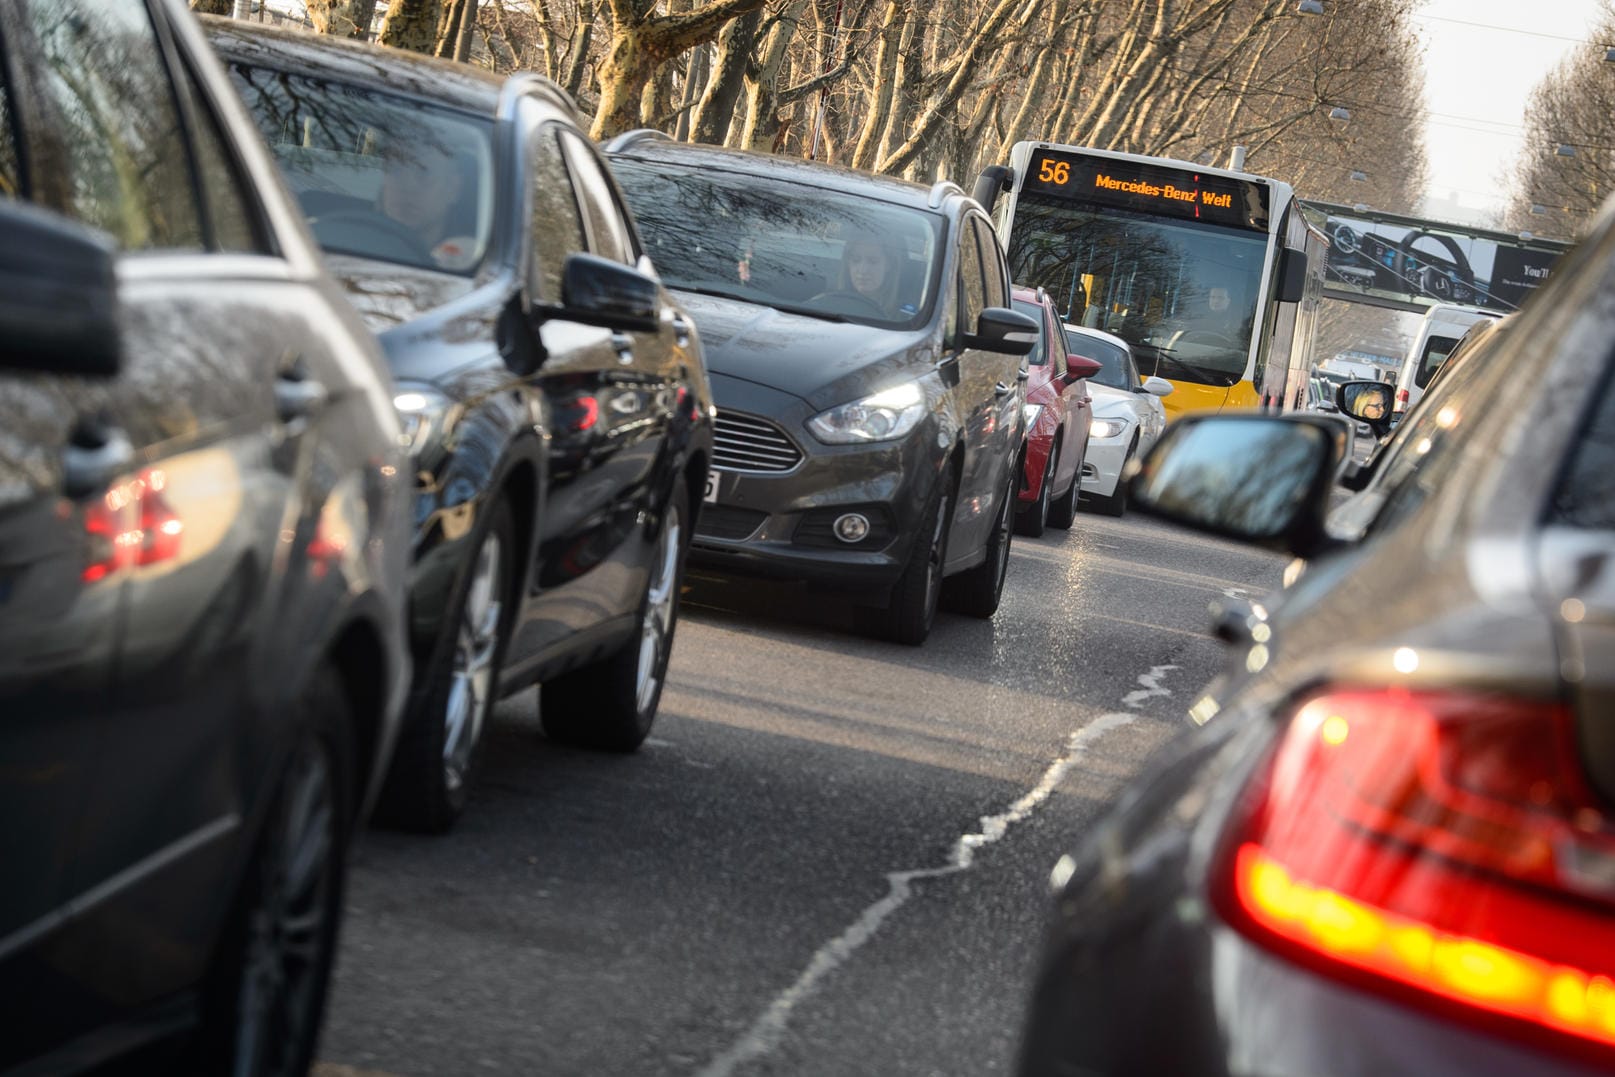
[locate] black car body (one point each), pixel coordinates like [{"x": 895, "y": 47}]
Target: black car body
[
  {"x": 801, "y": 491},
  {"x": 204, "y": 522},
  {"x": 555, "y": 395},
  {"x": 1388, "y": 849}
]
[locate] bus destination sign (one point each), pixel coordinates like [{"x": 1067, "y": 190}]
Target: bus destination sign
[{"x": 1171, "y": 192}]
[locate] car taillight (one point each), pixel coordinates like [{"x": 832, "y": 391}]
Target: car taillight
[
  {"x": 1401, "y": 400},
  {"x": 1444, "y": 842},
  {"x": 131, "y": 524}
]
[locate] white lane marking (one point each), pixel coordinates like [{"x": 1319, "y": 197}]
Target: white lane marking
[
  {"x": 1235, "y": 592},
  {"x": 1152, "y": 687},
  {"x": 765, "y": 1034}
]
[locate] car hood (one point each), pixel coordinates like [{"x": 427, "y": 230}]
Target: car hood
[
  {"x": 387, "y": 294},
  {"x": 823, "y": 362},
  {"x": 432, "y": 326},
  {"x": 1109, "y": 401}
]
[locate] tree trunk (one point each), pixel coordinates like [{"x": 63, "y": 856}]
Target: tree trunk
[
  {"x": 893, "y": 24},
  {"x": 764, "y": 131},
  {"x": 448, "y": 29},
  {"x": 578, "y": 62},
  {"x": 468, "y": 32},
  {"x": 717, "y": 109},
  {"x": 695, "y": 77},
  {"x": 412, "y": 24}
]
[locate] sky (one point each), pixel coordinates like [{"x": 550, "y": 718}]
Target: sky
[{"x": 1482, "y": 58}]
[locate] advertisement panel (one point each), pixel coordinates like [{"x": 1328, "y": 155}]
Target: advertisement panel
[{"x": 1406, "y": 262}]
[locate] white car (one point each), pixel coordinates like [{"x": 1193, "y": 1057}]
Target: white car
[{"x": 1127, "y": 416}]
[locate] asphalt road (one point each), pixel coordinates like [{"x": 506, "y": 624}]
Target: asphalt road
[{"x": 830, "y": 857}]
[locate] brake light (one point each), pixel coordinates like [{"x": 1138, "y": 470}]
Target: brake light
[
  {"x": 1401, "y": 400},
  {"x": 1446, "y": 843}
]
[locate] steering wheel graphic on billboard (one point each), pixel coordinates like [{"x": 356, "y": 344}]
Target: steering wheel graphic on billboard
[{"x": 1439, "y": 280}]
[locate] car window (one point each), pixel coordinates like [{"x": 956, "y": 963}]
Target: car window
[
  {"x": 1585, "y": 496},
  {"x": 610, "y": 233},
  {"x": 1039, "y": 355},
  {"x": 972, "y": 279},
  {"x": 113, "y": 149},
  {"x": 557, "y": 226},
  {"x": 994, "y": 272},
  {"x": 223, "y": 188},
  {"x": 1436, "y": 350},
  {"x": 1056, "y": 339},
  {"x": 1115, "y": 368}
]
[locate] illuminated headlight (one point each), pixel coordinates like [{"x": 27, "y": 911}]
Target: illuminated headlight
[
  {"x": 1107, "y": 428},
  {"x": 420, "y": 411},
  {"x": 886, "y": 415},
  {"x": 1031, "y": 412}
]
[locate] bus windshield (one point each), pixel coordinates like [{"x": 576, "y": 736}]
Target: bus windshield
[{"x": 1183, "y": 293}]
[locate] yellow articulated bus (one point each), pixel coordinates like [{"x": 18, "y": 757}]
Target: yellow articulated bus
[{"x": 1203, "y": 271}]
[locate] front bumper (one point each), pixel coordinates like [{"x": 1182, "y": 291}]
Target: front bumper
[
  {"x": 1102, "y": 466},
  {"x": 778, "y": 524}
]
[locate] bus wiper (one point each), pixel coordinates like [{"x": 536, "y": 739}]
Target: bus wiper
[{"x": 1207, "y": 375}]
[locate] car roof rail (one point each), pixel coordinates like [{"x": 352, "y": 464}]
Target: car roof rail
[
  {"x": 940, "y": 190},
  {"x": 639, "y": 134}
]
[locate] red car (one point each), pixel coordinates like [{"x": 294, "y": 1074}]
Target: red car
[{"x": 1057, "y": 420}]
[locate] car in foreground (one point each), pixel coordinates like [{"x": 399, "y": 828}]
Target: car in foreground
[
  {"x": 1058, "y": 414},
  {"x": 866, "y": 368},
  {"x": 204, "y": 517},
  {"x": 553, "y": 393},
  {"x": 1128, "y": 416},
  {"x": 1387, "y": 847}
]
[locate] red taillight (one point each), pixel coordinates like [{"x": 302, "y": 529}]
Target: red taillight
[
  {"x": 131, "y": 524},
  {"x": 1443, "y": 841}
]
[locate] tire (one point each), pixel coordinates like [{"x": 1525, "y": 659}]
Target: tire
[
  {"x": 1063, "y": 513},
  {"x": 265, "y": 999},
  {"x": 1032, "y": 520},
  {"x": 976, "y": 593},
  {"x": 911, "y": 610},
  {"x": 610, "y": 704},
  {"x": 1116, "y": 503},
  {"x": 440, "y": 744}
]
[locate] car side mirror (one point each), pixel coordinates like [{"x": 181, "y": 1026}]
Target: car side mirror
[
  {"x": 1368, "y": 401},
  {"x": 58, "y": 294},
  {"x": 598, "y": 291},
  {"x": 1000, "y": 329},
  {"x": 1080, "y": 366},
  {"x": 1157, "y": 386},
  {"x": 1261, "y": 479}
]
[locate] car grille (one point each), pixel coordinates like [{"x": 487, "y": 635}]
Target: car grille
[
  {"x": 744, "y": 443},
  {"x": 728, "y": 522}
]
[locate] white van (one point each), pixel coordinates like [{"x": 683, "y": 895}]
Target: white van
[{"x": 1438, "y": 334}]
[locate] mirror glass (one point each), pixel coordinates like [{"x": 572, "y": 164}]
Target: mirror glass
[
  {"x": 1248, "y": 476},
  {"x": 1368, "y": 400}
]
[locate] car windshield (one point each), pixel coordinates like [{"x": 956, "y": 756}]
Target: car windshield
[
  {"x": 1111, "y": 359},
  {"x": 378, "y": 176},
  {"x": 824, "y": 253}
]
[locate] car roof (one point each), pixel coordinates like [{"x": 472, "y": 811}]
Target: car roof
[
  {"x": 656, "y": 146},
  {"x": 357, "y": 63}
]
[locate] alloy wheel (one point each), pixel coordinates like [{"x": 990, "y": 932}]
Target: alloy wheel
[
  {"x": 656, "y": 627},
  {"x": 476, "y": 648}
]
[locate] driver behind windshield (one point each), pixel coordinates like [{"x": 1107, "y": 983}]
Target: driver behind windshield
[
  {"x": 421, "y": 186},
  {"x": 872, "y": 270}
]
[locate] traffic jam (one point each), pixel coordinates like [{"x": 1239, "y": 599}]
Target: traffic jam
[{"x": 478, "y": 599}]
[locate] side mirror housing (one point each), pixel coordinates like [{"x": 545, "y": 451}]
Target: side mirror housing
[
  {"x": 1080, "y": 366},
  {"x": 1000, "y": 329},
  {"x": 1261, "y": 479},
  {"x": 1158, "y": 386},
  {"x": 598, "y": 291},
  {"x": 1292, "y": 276},
  {"x": 1369, "y": 402},
  {"x": 58, "y": 294}
]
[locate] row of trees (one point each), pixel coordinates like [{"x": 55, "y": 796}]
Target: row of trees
[
  {"x": 928, "y": 88},
  {"x": 1568, "y": 167}
]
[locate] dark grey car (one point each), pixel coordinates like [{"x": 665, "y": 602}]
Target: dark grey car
[
  {"x": 867, "y": 442},
  {"x": 1389, "y": 847},
  {"x": 203, "y": 543}
]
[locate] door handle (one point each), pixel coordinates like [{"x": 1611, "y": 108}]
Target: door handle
[
  {"x": 298, "y": 396},
  {"x": 1002, "y": 390},
  {"x": 96, "y": 454},
  {"x": 625, "y": 347},
  {"x": 1023, "y": 375}
]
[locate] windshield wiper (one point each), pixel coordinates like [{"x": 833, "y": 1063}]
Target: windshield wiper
[{"x": 1207, "y": 375}]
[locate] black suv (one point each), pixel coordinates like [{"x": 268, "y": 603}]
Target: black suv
[
  {"x": 554, "y": 394},
  {"x": 867, "y": 370},
  {"x": 203, "y": 548}
]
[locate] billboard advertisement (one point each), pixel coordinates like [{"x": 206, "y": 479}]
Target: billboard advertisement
[{"x": 1406, "y": 262}]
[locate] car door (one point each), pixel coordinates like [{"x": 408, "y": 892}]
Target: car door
[
  {"x": 602, "y": 390},
  {"x": 1074, "y": 402},
  {"x": 228, "y": 371}
]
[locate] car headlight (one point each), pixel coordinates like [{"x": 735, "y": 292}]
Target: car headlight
[
  {"x": 1107, "y": 428},
  {"x": 1030, "y": 413},
  {"x": 420, "y": 411},
  {"x": 883, "y": 416}
]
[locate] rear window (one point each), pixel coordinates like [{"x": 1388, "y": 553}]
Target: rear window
[{"x": 1436, "y": 350}]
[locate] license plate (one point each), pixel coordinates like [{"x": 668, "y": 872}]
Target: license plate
[{"x": 710, "y": 494}]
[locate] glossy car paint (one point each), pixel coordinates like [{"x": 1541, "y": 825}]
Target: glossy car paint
[
  {"x": 1445, "y": 557},
  {"x": 1141, "y": 412},
  {"x": 147, "y": 704},
  {"x": 585, "y": 447},
  {"x": 1067, "y": 409},
  {"x": 786, "y": 368}
]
